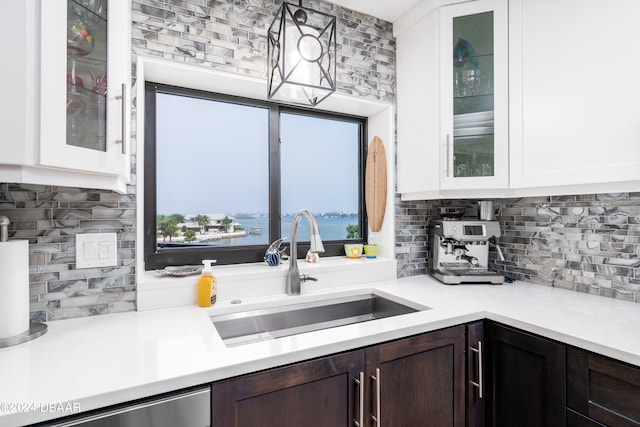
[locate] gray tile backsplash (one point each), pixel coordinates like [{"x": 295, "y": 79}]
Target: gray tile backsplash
[
  {"x": 231, "y": 36},
  {"x": 586, "y": 243},
  {"x": 50, "y": 218}
]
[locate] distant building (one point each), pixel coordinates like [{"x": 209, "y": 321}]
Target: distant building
[{"x": 215, "y": 223}]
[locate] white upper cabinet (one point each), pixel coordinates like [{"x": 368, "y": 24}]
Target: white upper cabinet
[
  {"x": 418, "y": 111},
  {"x": 72, "y": 124},
  {"x": 574, "y": 93},
  {"x": 452, "y": 77},
  {"x": 474, "y": 86},
  {"x": 561, "y": 101}
]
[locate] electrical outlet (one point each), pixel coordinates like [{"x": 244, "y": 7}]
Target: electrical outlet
[{"x": 96, "y": 250}]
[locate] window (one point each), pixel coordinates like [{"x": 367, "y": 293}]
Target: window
[{"x": 224, "y": 176}]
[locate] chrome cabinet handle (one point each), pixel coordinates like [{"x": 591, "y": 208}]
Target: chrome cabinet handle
[
  {"x": 123, "y": 101},
  {"x": 478, "y": 384},
  {"x": 376, "y": 417},
  {"x": 447, "y": 170},
  {"x": 360, "y": 381}
]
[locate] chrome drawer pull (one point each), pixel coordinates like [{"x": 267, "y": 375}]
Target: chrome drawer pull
[
  {"x": 376, "y": 417},
  {"x": 478, "y": 384},
  {"x": 360, "y": 381}
]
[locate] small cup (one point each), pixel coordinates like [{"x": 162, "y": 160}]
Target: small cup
[
  {"x": 371, "y": 251},
  {"x": 353, "y": 250}
]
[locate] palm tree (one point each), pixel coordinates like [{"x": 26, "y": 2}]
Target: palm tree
[
  {"x": 167, "y": 228},
  {"x": 177, "y": 218},
  {"x": 226, "y": 222},
  {"x": 202, "y": 221},
  {"x": 189, "y": 236},
  {"x": 353, "y": 231}
]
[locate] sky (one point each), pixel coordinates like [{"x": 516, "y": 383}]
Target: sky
[{"x": 212, "y": 157}]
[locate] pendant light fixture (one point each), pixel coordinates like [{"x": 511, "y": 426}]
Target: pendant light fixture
[{"x": 301, "y": 55}]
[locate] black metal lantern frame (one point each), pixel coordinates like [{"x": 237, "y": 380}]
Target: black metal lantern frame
[{"x": 301, "y": 55}]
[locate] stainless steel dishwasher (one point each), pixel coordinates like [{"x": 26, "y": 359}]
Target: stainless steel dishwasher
[{"x": 190, "y": 408}]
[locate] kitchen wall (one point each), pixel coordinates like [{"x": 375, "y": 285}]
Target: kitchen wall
[
  {"x": 231, "y": 36},
  {"x": 586, "y": 243},
  {"x": 225, "y": 35}
]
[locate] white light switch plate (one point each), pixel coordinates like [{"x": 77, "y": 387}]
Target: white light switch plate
[{"x": 96, "y": 250}]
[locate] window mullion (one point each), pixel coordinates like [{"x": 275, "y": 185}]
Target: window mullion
[
  {"x": 364, "y": 149},
  {"x": 274, "y": 173}
]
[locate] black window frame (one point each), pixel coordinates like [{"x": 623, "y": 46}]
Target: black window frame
[{"x": 158, "y": 259}]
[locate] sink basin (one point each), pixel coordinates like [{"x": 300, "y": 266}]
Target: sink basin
[{"x": 270, "y": 323}]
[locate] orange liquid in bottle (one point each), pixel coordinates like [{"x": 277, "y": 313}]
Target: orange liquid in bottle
[{"x": 206, "y": 291}]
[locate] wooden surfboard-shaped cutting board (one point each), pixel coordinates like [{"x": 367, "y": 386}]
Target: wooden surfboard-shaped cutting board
[{"x": 375, "y": 187}]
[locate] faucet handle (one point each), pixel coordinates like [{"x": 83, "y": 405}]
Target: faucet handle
[{"x": 305, "y": 277}]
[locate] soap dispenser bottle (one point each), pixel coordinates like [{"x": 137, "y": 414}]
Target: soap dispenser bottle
[{"x": 207, "y": 289}]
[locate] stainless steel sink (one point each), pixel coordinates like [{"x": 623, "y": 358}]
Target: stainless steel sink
[{"x": 259, "y": 325}]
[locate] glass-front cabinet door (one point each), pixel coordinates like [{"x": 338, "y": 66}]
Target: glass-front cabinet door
[
  {"x": 87, "y": 73},
  {"x": 85, "y": 77},
  {"x": 474, "y": 82}
]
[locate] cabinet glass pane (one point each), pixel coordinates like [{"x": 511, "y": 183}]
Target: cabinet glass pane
[
  {"x": 87, "y": 73},
  {"x": 473, "y": 142}
]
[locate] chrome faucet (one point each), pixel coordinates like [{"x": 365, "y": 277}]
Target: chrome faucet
[{"x": 293, "y": 276}]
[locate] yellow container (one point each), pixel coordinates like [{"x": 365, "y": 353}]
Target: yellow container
[
  {"x": 207, "y": 288},
  {"x": 371, "y": 251}
]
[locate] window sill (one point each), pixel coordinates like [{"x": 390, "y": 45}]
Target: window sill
[{"x": 258, "y": 279}]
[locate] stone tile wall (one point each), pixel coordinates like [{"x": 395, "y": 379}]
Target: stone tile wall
[
  {"x": 50, "y": 217},
  {"x": 231, "y": 35},
  {"x": 587, "y": 243}
]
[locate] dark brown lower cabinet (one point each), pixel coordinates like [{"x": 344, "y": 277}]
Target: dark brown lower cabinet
[
  {"x": 508, "y": 378},
  {"x": 320, "y": 392},
  {"x": 604, "y": 390},
  {"x": 416, "y": 381},
  {"x": 476, "y": 386},
  {"x": 526, "y": 379}
]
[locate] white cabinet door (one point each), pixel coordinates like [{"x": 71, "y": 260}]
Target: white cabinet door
[
  {"x": 474, "y": 95},
  {"x": 418, "y": 164},
  {"x": 18, "y": 117},
  {"x": 55, "y": 147},
  {"x": 574, "y": 92}
]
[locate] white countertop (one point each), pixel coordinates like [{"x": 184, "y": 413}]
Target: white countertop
[{"x": 92, "y": 362}]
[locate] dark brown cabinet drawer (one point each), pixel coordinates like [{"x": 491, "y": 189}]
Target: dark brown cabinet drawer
[{"x": 603, "y": 389}]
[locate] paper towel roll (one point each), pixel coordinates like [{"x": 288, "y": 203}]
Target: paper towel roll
[{"x": 14, "y": 288}]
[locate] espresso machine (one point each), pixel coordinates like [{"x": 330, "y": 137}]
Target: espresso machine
[{"x": 459, "y": 251}]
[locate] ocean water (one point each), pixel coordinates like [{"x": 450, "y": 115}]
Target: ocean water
[{"x": 330, "y": 229}]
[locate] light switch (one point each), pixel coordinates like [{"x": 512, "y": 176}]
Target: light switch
[
  {"x": 103, "y": 250},
  {"x": 96, "y": 250},
  {"x": 87, "y": 251}
]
